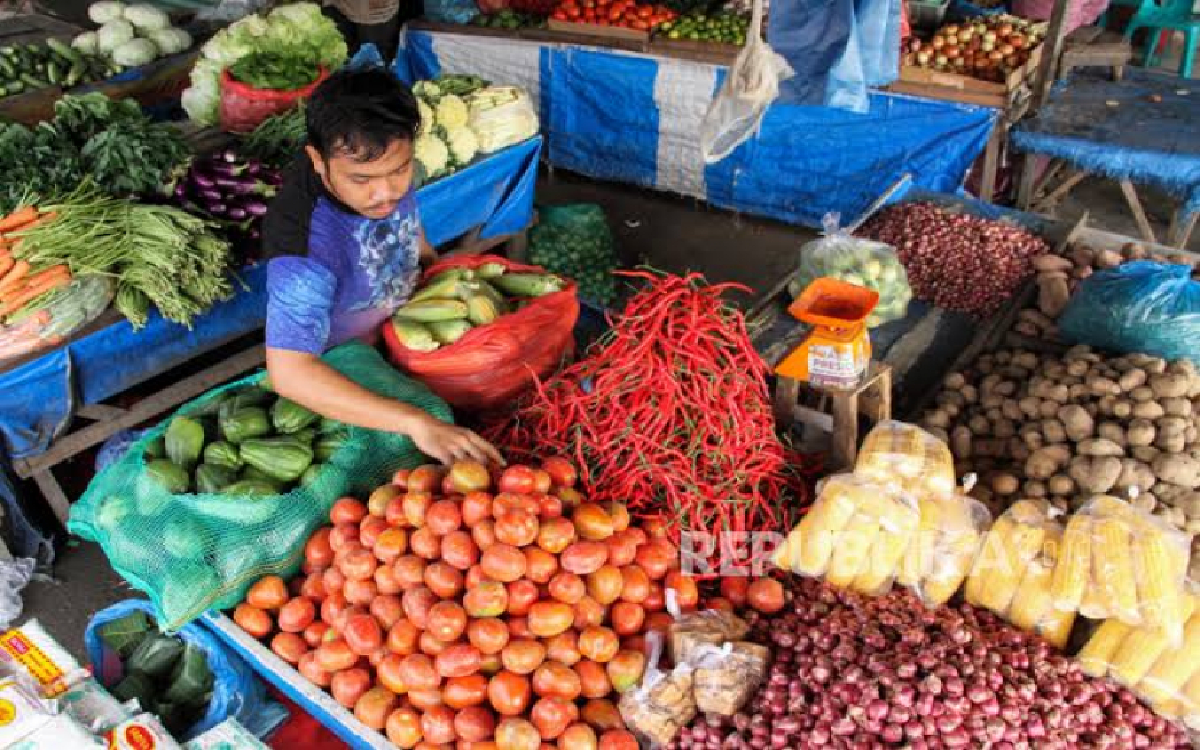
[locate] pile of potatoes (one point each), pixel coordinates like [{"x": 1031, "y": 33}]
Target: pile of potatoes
[
  {"x": 1058, "y": 275},
  {"x": 1067, "y": 427}
]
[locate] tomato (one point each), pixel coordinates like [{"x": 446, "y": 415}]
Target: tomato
[
  {"x": 517, "y": 734},
  {"x": 509, "y": 693},
  {"x": 387, "y": 609},
  {"x": 333, "y": 580},
  {"x": 475, "y": 724},
  {"x": 347, "y": 510},
  {"x": 425, "y": 544},
  {"x": 593, "y": 522},
  {"x": 313, "y": 587},
  {"x": 627, "y": 618},
  {"x": 619, "y": 513},
  {"x": 268, "y": 592},
  {"x": 484, "y": 534},
  {"x": 583, "y": 558},
  {"x": 389, "y": 673},
  {"x": 625, "y": 670},
  {"x": 523, "y": 655},
  {"x": 308, "y": 668},
  {"x": 253, "y": 620},
  {"x": 358, "y": 564},
  {"x": 417, "y": 603},
  {"x": 443, "y": 517},
  {"x": 425, "y": 478},
  {"x": 474, "y": 576},
  {"x": 687, "y": 595},
  {"x": 415, "y": 504},
  {"x": 402, "y": 637},
  {"x": 490, "y": 664},
  {"x": 437, "y": 725},
  {"x": 564, "y": 648},
  {"x": 417, "y": 672},
  {"x": 342, "y": 536},
  {"x": 371, "y": 528},
  {"x": 409, "y": 571},
  {"x": 400, "y": 478},
  {"x": 424, "y": 700},
  {"x": 362, "y": 634},
  {"x": 638, "y": 535},
  {"x": 571, "y": 498},
  {"x": 469, "y": 476},
  {"x": 460, "y": 550},
  {"x": 332, "y": 608},
  {"x": 622, "y": 549},
  {"x": 659, "y": 622},
  {"x": 552, "y": 715},
  {"x": 297, "y": 614},
  {"x": 447, "y": 621},
  {"x": 635, "y": 585},
  {"x": 458, "y": 660},
  {"x": 556, "y": 680},
  {"x": 540, "y": 565},
  {"x": 517, "y": 527},
  {"x": 429, "y": 645},
  {"x": 656, "y": 557},
  {"x": 548, "y": 506},
  {"x": 517, "y": 479},
  {"x": 289, "y": 647},
  {"x": 394, "y": 513},
  {"x": 349, "y": 685},
  {"x": 602, "y": 714},
  {"x": 605, "y": 584},
  {"x": 506, "y": 501},
  {"x": 617, "y": 739},
  {"x": 593, "y": 679},
  {"x": 577, "y": 737},
  {"x": 476, "y": 507},
  {"x": 314, "y": 634},
  {"x": 766, "y": 595},
  {"x": 655, "y": 528},
  {"x": 562, "y": 472},
  {"x": 461, "y": 692},
  {"x": 444, "y": 579},
  {"x": 555, "y": 535},
  {"x": 518, "y": 627},
  {"x": 502, "y": 562},
  {"x": 361, "y": 592},
  {"x": 374, "y": 707},
  {"x": 391, "y": 544},
  {"x": 541, "y": 482},
  {"x": 598, "y": 643},
  {"x": 548, "y": 619},
  {"x": 488, "y": 599},
  {"x": 521, "y": 596},
  {"x": 735, "y": 588},
  {"x": 317, "y": 551},
  {"x": 385, "y": 580},
  {"x": 656, "y": 599},
  {"x": 489, "y": 635},
  {"x": 588, "y": 612},
  {"x": 403, "y": 728}
]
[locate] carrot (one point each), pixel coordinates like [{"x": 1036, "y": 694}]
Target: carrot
[
  {"x": 45, "y": 218},
  {"x": 46, "y": 274},
  {"x": 13, "y": 277},
  {"x": 6, "y": 264},
  {"x": 27, "y": 293},
  {"x": 18, "y": 218}
]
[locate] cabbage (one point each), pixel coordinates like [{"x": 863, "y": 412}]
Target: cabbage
[
  {"x": 113, "y": 34},
  {"x": 135, "y": 52},
  {"x": 171, "y": 41},
  {"x": 147, "y": 17},
  {"x": 87, "y": 42},
  {"x": 105, "y": 11}
]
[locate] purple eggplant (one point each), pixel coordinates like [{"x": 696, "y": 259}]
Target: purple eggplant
[
  {"x": 211, "y": 194},
  {"x": 236, "y": 213},
  {"x": 202, "y": 180},
  {"x": 216, "y": 208},
  {"x": 255, "y": 208}
]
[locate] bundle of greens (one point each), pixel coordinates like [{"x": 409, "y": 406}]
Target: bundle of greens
[
  {"x": 273, "y": 71},
  {"x": 278, "y": 139}
]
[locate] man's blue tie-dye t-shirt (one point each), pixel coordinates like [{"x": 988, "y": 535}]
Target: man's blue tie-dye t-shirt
[{"x": 332, "y": 274}]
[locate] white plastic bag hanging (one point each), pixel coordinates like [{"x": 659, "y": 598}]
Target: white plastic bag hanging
[{"x": 752, "y": 84}]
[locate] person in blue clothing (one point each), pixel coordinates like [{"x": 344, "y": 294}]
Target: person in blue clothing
[{"x": 345, "y": 248}]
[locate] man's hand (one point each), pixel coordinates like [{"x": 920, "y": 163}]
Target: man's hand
[{"x": 448, "y": 443}]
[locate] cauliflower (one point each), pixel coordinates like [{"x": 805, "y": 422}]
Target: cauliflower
[
  {"x": 426, "y": 113},
  {"x": 432, "y": 154},
  {"x": 427, "y": 90},
  {"x": 451, "y": 112},
  {"x": 463, "y": 144}
]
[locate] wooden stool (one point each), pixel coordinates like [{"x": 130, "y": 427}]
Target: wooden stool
[
  {"x": 837, "y": 411},
  {"x": 1089, "y": 46}
]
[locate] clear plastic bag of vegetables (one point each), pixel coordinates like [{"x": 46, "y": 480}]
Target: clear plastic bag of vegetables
[
  {"x": 858, "y": 261},
  {"x": 48, "y": 320},
  {"x": 854, "y": 536},
  {"x": 943, "y": 550},
  {"x": 904, "y": 454}
]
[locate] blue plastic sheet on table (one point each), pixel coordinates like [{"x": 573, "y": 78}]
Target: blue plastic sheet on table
[
  {"x": 1143, "y": 306},
  {"x": 367, "y": 56},
  {"x": 115, "y": 447},
  {"x": 1144, "y": 141},
  {"x": 236, "y": 693}
]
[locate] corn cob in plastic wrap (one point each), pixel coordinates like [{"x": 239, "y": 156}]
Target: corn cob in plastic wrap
[
  {"x": 1164, "y": 685},
  {"x": 1032, "y": 607},
  {"x": 1013, "y": 541},
  {"x": 944, "y": 548},
  {"x": 902, "y": 454}
]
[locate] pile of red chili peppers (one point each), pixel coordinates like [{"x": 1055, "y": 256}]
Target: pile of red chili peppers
[{"x": 670, "y": 414}]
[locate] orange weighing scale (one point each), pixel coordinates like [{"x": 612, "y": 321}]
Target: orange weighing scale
[{"x": 837, "y": 351}]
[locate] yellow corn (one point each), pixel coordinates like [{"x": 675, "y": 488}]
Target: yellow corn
[
  {"x": 897, "y": 522},
  {"x": 1112, "y": 570},
  {"x": 787, "y": 553},
  {"x": 822, "y": 528},
  {"x": 1056, "y": 627},
  {"x": 1141, "y": 649},
  {"x": 1097, "y": 654},
  {"x": 1161, "y": 568},
  {"x": 1073, "y": 571},
  {"x": 1173, "y": 668},
  {"x": 991, "y": 555},
  {"x": 937, "y": 473},
  {"x": 850, "y": 555},
  {"x": 1191, "y": 701},
  {"x": 891, "y": 448},
  {"x": 921, "y": 553},
  {"x": 958, "y": 548},
  {"x": 1032, "y": 601},
  {"x": 1024, "y": 542}
]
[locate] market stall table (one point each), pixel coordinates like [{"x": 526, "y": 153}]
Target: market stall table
[
  {"x": 1141, "y": 129},
  {"x": 41, "y": 395},
  {"x": 632, "y": 115}
]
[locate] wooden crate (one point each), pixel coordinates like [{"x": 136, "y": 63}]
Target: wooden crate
[
  {"x": 956, "y": 87},
  {"x": 718, "y": 53},
  {"x": 600, "y": 32}
]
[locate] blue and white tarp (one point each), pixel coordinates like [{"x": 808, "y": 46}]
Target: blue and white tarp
[{"x": 636, "y": 118}]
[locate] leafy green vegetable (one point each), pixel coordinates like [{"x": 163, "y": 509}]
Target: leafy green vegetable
[
  {"x": 275, "y": 71},
  {"x": 279, "y": 138}
]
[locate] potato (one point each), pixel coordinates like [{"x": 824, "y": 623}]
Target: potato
[
  {"x": 1051, "y": 262},
  {"x": 951, "y": 398},
  {"x": 992, "y": 401},
  {"x": 1144, "y": 502},
  {"x": 1030, "y": 406},
  {"x": 954, "y": 381},
  {"x": 1004, "y": 356},
  {"x": 1132, "y": 379},
  {"x": 994, "y": 414},
  {"x": 1025, "y": 328},
  {"x": 1111, "y": 431},
  {"x": 1100, "y": 447},
  {"x": 1176, "y": 407},
  {"x": 1034, "y": 488},
  {"x": 939, "y": 433},
  {"x": 1108, "y": 259},
  {"x": 1078, "y": 368},
  {"x": 1095, "y": 474},
  {"x": 1171, "y": 443},
  {"x": 1077, "y": 423},
  {"x": 1190, "y": 505},
  {"x": 1104, "y": 387},
  {"x": 1078, "y": 392},
  {"x": 1004, "y": 483},
  {"x": 1053, "y": 431},
  {"x": 1181, "y": 470},
  {"x": 980, "y": 425},
  {"x": 970, "y": 393},
  {"x": 1017, "y": 450},
  {"x": 1053, "y": 294},
  {"x": 1148, "y": 410},
  {"x": 1012, "y": 410},
  {"x": 1004, "y": 428},
  {"x": 1142, "y": 394},
  {"x": 1050, "y": 409},
  {"x": 1045, "y": 462},
  {"x": 1032, "y": 437},
  {"x": 1134, "y": 473},
  {"x": 1173, "y": 425},
  {"x": 960, "y": 442},
  {"x": 991, "y": 448},
  {"x": 1146, "y": 453},
  {"x": 1061, "y": 484},
  {"x": 936, "y": 418},
  {"x": 1171, "y": 385},
  {"x": 1140, "y": 433},
  {"x": 1027, "y": 360}
]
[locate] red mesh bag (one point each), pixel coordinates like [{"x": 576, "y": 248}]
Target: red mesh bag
[
  {"x": 243, "y": 107},
  {"x": 493, "y": 364}
]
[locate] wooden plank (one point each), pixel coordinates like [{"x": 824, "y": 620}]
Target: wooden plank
[
  {"x": 942, "y": 93},
  {"x": 99, "y": 412},
  {"x": 58, "y": 501},
  {"x": 599, "y": 32},
  {"x": 1139, "y": 214},
  {"x": 991, "y": 164},
  {"x": 1025, "y": 186},
  {"x": 1053, "y": 44},
  {"x": 1181, "y": 228},
  {"x": 1059, "y": 192}
]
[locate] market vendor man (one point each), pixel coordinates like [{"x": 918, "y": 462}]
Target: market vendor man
[{"x": 346, "y": 246}]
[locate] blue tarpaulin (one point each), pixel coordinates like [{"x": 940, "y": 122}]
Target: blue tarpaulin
[
  {"x": 1145, "y": 128},
  {"x": 636, "y": 118}
]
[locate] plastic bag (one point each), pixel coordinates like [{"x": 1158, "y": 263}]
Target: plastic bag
[
  {"x": 493, "y": 364},
  {"x": 1120, "y": 562},
  {"x": 904, "y": 455},
  {"x": 575, "y": 241},
  {"x": 750, "y": 86},
  {"x": 236, "y": 691},
  {"x": 867, "y": 263},
  {"x": 140, "y": 732},
  {"x": 948, "y": 538},
  {"x": 451, "y": 11},
  {"x": 1140, "y": 306},
  {"x": 243, "y": 107},
  {"x": 708, "y": 627},
  {"x": 854, "y": 536},
  {"x": 63, "y": 313},
  {"x": 31, "y": 650},
  {"x": 193, "y": 552},
  {"x": 1014, "y": 540},
  {"x": 228, "y": 735},
  {"x": 1032, "y": 607},
  {"x": 726, "y": 676},
  {"x": 664, "y": 702}
]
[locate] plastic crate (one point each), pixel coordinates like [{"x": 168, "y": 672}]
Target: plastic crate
[{"x": 927, "y": 13}]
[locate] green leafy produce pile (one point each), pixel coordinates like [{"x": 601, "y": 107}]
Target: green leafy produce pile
[
  {"x": 273, "y": 71},
  {"x": 510, "y": 19}
]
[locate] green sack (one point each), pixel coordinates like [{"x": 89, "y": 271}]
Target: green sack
[
  {"x": 575, "y": 241},
  {"x": 241, "y": 538},
  {"x": 155, "y": 656}
]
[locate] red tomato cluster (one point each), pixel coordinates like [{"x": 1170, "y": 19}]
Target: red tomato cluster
[
  {"x": 625, "y": 13},
  {"x": 451, "y": 616}
]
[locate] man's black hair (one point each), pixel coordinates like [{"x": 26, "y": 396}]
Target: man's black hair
[{"x": 360, "y": 113}]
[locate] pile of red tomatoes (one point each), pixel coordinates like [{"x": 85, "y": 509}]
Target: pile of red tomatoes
[
  {"x": 476, "y": 610},
  {"x": 623, "y": 13}
]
